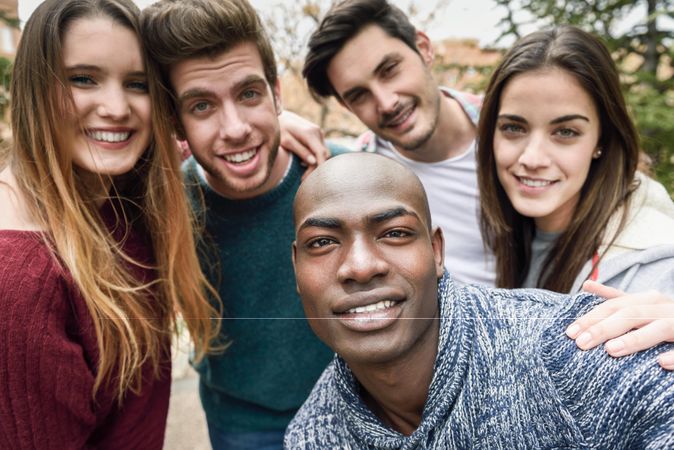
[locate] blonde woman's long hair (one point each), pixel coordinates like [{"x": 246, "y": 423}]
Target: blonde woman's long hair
[{"x": 132, "y": 319}]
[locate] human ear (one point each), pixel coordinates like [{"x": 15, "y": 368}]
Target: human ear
[
  {"x": 438, "y": 243},
  {"x": 294, "y": 258},
  {"x": 425, "y": 48},
  {"x": 276, "y": 90}
]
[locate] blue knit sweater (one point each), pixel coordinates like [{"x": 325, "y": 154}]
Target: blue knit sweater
[{"x": 506, "y": 377}]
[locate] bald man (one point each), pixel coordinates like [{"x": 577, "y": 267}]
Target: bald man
[{"x": 425, "y": 363}]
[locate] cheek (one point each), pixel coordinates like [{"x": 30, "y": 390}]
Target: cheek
[
  {"x": 505, "y": 154},
  {"x": 144, "y": 108}
]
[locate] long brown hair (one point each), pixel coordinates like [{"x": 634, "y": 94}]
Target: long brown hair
[
  {"x": 609, "y": 181},
  {"x": 131, "y": 331}
]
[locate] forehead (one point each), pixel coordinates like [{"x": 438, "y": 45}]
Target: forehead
[
  {"x": 220, "y": 72},
  {"x": 360, "y": 56},
  {"x": 354, "y": 199},
  {"x": 97, "y": 40},
  {"x": 555, "y": 90}
]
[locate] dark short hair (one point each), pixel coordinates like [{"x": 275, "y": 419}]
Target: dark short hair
[{"x": 341, "y": 23}]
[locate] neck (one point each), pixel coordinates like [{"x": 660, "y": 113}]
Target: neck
[
  {"x": 396, "y": 392},
  {"x": 452, "y": 136}
]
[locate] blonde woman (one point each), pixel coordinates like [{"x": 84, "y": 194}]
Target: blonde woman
[{"x": 96, "y": 248}]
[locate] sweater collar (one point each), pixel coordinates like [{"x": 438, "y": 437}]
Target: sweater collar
[{"x": 448, "y": 375}]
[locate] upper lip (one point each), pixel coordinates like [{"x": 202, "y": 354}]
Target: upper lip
[
  {"x": 240, "y": 150},
  {"x": 111, "y": 129},
  {"x": 404, "y": 109},
  {"x": 365, "y": 298},
  {"x": 527, "y": 177}
]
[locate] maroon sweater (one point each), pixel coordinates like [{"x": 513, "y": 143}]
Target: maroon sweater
[{"x": 48, "y": 355}]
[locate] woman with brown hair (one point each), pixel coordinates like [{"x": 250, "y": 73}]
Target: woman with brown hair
[
  {"x": 561, "y": 200},
  {"x": 97, "y": 254}
]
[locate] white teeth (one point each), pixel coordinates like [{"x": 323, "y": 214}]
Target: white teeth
[
  {"x": 534, "y": 183},
  {"x": 109, "y": 136},
  {"x": 240, "y": 157},
  {"x": 401, "y": 119},
  {"x": 384, "y": 304}
]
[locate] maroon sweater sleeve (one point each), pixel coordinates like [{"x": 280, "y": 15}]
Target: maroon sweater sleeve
[
  {"x": 48, "y": 355},
  {"x": 45, "y": 379}
]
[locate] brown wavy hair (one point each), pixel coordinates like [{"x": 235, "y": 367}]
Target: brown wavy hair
[
  {"x": 131, "y": 331},
  {"x": 610, "y": 180}
]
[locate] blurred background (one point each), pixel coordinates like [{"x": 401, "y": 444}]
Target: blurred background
[{"x": 470, "y": 37}]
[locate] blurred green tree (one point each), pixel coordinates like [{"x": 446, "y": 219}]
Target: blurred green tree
[{"x": 644, "y": 54}]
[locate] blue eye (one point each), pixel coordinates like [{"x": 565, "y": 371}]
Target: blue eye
[
  {"x": 138, "y": 86},
  {"x": 250, "y": 95},
  {"x": 81, "y": 80},
  {"x": 200, "y": 107},
  {"x": 567, "y": 133},
  {"x": 511, "y": 128}
]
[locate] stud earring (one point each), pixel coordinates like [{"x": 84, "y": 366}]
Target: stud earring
[{"x": 597, "y": 153}]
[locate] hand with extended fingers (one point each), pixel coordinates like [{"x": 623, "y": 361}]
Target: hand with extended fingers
[
  {"x": 303, "y": 138},
  {"x": 627, "y": 323}
]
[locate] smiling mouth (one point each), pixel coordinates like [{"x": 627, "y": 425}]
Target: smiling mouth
[
  {"x": 400, "y": 117},
  {"x": 111, "y": 137},
  {"x": 241, "y": 157},
  {"x": 534, "y": 183},
  {"x": 379, "y": 306}
]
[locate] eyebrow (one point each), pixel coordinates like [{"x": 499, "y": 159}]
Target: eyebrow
[
  {"x": 92, "y": 68},
  {"x": 561, "y": 119},
  {"x": 385, "y": 60},
  {"x": 201, "y": 92},
  {"x": 391, "y": 214},
  {"x": 194, "y": 93},
  {"x": 321, "y": 222},
  {"x": 377, "y": 218},
  {"x": 85, "y": 67}
]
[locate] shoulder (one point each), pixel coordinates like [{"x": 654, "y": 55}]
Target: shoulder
[
  {"x": 15, "y": 214},
  {"x": 317, "y": 424},
  {"x": 614, "y": 400},
  {"x": 523, "y": 302},
  {"x": 649, "y": 221},
  {"x": 471, "y": 103}
]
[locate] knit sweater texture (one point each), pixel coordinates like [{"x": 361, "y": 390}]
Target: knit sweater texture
[
  {"x": 505, "y": 377},
  {"x": 273, "y": 358},
  {"x": 48, "y": 359}
]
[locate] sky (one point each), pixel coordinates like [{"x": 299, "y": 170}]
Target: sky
[{"x": 461, "y": 19}]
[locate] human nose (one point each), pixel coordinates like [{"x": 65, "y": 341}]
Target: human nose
[
  {"x": 387, "y": 100},
  {"x": 233, "y": 124},
  {"x": 362, "y": 263},
  {"x": 114, "y": 104},
  {"x": 534, "y": 153}
]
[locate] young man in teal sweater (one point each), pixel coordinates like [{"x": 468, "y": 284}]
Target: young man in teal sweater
[{"x": 220, "y": 68}]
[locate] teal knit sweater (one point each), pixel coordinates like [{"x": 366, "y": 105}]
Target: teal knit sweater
[{"x": 273, "y": 359}]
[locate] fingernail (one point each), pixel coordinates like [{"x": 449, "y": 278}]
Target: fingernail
[
  {"x": 583, "y": 340},
  {"x": 615, "y": 347},
  {"x": 572, "y": 330},
  {"x": 666, "y": 361},
  {"x": 312, "y": 160}
]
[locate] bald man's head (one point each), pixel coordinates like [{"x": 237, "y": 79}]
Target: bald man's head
[
  {"x": 365, "y": 173},
  {"x": 365, "y": 256}
]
